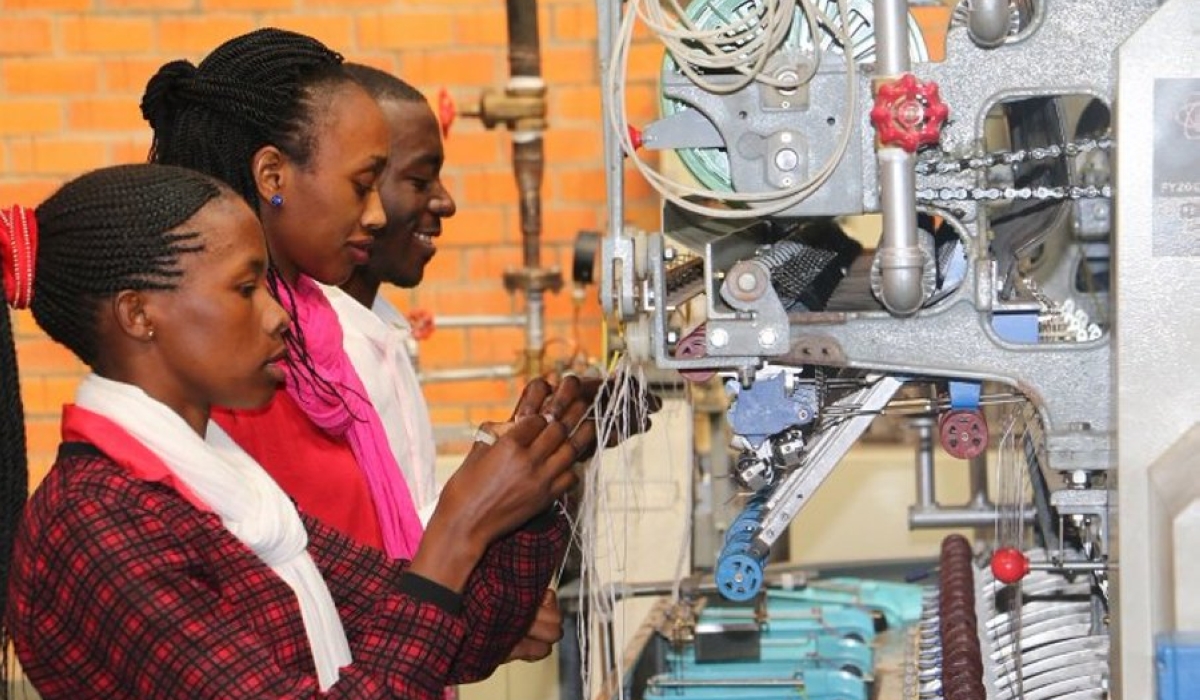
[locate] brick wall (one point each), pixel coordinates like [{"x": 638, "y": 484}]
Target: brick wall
[{"x": 72, "y": 73}]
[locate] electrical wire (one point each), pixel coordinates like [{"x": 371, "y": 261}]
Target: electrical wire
[{"x": 687, "y": 45}]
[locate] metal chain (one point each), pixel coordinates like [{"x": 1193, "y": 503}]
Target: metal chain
[
  {"x": 936, "y": 166},
  {"x": 952, "y": 194}
]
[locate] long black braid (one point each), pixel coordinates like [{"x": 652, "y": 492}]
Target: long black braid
[
  {"x": 266, "y": 87},
  {"x": 101, "y": 233}
]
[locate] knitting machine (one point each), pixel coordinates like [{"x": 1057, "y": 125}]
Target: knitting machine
[{"x": 1020, "y": 298}]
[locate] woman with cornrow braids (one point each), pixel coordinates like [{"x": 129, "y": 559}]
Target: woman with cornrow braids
[{"x": 157, "y": 559}]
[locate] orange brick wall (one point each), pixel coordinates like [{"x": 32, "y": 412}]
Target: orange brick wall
[{"x": 72, "y": 73}]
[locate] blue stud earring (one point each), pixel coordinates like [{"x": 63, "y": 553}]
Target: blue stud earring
[{"x": 277, "y": 200}]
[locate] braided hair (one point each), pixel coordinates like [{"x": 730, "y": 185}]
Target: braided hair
[
  {"x": 383, "y": 85},
  {"x": 258, "y": 89},
  {"x": 106, "y": 231}
]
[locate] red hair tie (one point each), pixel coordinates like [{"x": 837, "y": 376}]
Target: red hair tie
[{"x": 18, "y": 253}]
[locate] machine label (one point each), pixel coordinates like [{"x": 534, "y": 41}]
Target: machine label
[{"x": 1176, "y": 167}]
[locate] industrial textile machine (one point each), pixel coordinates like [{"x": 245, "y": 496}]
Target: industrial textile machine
[{"x": 1033, "y": 194}]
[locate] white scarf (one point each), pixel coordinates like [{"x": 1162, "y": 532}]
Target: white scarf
[{"x": 250, "y": 504}]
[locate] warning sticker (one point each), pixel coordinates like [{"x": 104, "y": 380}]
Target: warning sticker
[{"x": 1176, "y": 167}]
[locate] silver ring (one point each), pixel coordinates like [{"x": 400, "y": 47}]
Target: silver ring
[{"x": 484, "y": 436}]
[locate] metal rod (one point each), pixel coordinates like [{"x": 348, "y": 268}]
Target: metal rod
[
  {"x": 926, "y": 497},
  {"x": 941, "y": 517},
  {"x": 467, "y": 374},
  {"x": 468, "y": 321}
]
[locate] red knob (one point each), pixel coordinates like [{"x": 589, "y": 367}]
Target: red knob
[
  {"x": 421, "y": 322},
  {"x": 1009, "y": 565},
  {"x": 963, "y": 432},
  {"x": 908, "y": 113},
  {"x": 635, "y": 137},
  {"x": 446, "y": 111}
]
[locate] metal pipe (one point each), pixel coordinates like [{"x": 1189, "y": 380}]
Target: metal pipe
[
  {"x": 943, "y": 517},
  {"x": 891, "y": 38},
  {"x": 988, "y": 22},
  {"x": 978, "y": 480},
  {"x": 468, "y": 374},
  {"x": 925, "y": 483},
  {"x": 901, "y": 261},
  {"x": 479, "y": 320}
]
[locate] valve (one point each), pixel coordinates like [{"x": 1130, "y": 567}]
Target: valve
[
  {"x": 963, "y": 432},
  {"x": 1009, "y": 565},
  {"x": 421, "y": 322},
  {"x": 446, "y": 111},
  {"x": 908, "y": 113}
]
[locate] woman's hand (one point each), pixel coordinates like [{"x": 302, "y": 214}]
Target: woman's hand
[
  {"x": 501, "y": 486},
  {"x": 547, "y": 629}
]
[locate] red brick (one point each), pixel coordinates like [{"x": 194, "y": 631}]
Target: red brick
[
  {"x": 645, "y": 60},
  {"x": 482, "y": 28},
  {"x": 105, "y": 115},
  {"x": 444, "y": 347},
  {"x": 129, "y": 75},
  {"x": 92, "y": 34},
  {"x": 199, "y": 35},
  {"x": 472, "y": 148},
  {"x": 575, "y": 23},
  {"x": 333, "y": 30},
  {"x": 492, "y": 186},
  {"x": 570, "y": 65},
  {"x": 570, "y": 103},
  {"x": 44, "y": 355},
  {"x": 574, "y": 146},
  {"x": 475, "y": 225},
  {"x": 156, "y": 5},
  {"x": 239, "y": 5},
  {"x": 405, "y": 31},
  {"x": 133, "y": 150},
  {"x": 25, "y": 36},
  {"x": 54, "y": 155},
  {"x": 578, "y": 185},
  {"x": 455, "y": 69},
  {"x": 562, "y": 222},
  {"x": 29, "y": 192},
  {"x": 489, "y": 263},
  {"x": 42, "y": 436},
  {"x": 45, "y": 5},
  {"x": 342, "y": 4},
  {"x": 50, "y": 76},
  {"x": 30, "y": 117}
]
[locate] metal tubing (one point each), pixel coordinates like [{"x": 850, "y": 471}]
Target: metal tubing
[
  {"x": 468, "y": 374},
  {"x": 891, "y": 38},
  {"x": 479, "y": 321},
  {"x": 978, "y": 479},
  {"x": 901, "y": 262},
  {"x": 942, "y": 517},
  {"x": 925, "y": 482}
]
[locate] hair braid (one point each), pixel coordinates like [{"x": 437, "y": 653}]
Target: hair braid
[
  {"x": 107, "y": 231},
  {"x": 14, "y": 479},
  {"x": 254, "y": 90}
]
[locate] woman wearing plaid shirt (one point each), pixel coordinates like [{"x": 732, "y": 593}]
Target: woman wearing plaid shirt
[{"x": 157, "y": 559}]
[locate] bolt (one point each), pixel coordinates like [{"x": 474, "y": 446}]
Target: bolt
[
  {"x": 785, "y": 137},
  {"x": 786, "y": 182},
  {"x": 786, "y": 159},
  {"x": 719, "y": 337},
  {"x": 767, "y": 337},
  {"x": 672, "y": 337},
  {"x": 747, "y": 282},
  {"x": 668, "y": 254}
]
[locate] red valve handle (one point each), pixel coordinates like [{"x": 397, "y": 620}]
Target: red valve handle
[
  {"x": 908, "y": 113},
  {"x": 447, "y": 111},
  {"x": 421, "y": 322}
]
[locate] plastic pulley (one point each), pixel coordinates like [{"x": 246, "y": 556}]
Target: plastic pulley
[{"x": 963, "y": 433}]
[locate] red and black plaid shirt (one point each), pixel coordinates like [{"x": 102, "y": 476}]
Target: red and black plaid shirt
[{"x": 120, "y": 588}]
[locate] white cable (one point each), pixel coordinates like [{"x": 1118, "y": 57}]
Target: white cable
[{"x": 681, "y": 194}]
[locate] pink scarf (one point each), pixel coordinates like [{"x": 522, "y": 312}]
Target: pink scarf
[{"x": 350, "y": 414}]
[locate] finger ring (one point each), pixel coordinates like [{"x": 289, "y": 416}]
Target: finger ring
[{"x": 485, "y": 436}]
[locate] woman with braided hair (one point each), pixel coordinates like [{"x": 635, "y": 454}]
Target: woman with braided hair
[{"x": 159, "y": 560}]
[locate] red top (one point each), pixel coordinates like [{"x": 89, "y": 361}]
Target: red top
[{"x": 317, "y": 470}]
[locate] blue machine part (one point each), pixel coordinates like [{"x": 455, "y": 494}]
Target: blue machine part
[
  {"x": 900, "y": 603},
  {"x": 1177, "y": 657},
  {"x": 765, "y": 408},
  {"x": 722, "y": 682},
  {"x": 739, "y": 574},
  {"x": 965, "y": 395},
  {"x": 1017, "y": 327},
  {"x": 798, "y": 619}
]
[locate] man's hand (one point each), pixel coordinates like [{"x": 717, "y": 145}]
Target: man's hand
[{"x": 546, "y": 631}]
